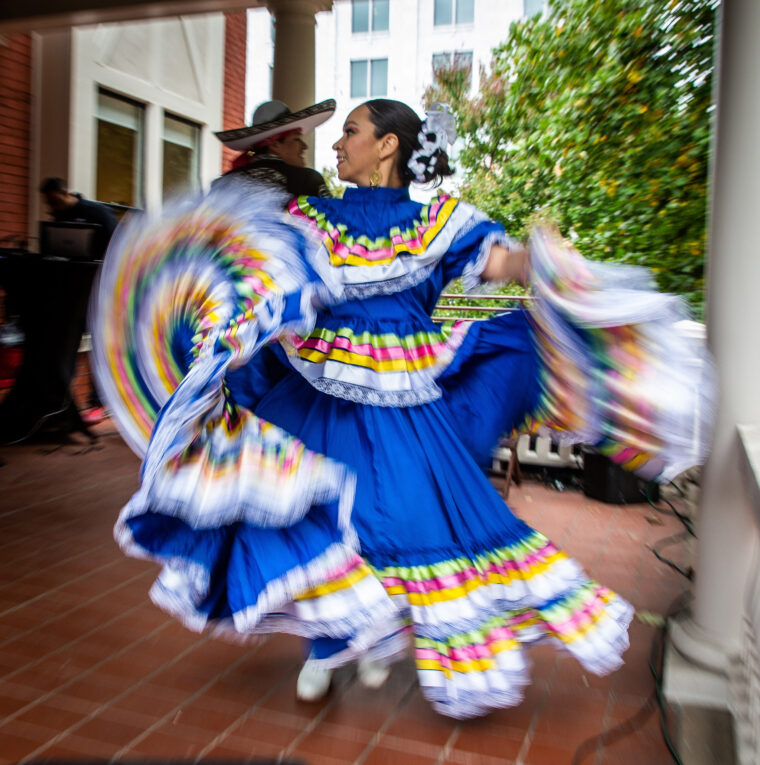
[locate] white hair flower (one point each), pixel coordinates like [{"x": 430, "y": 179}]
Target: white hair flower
[{"x": 437, "y": 132}]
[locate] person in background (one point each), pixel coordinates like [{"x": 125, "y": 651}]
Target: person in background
[
  {"x": 272, "y": 148},
  {"x": 69, "y": 207}
]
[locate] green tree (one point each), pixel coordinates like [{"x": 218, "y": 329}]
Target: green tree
[
  {"x": 335, "y": 187},
  {"x": 597, "y": 116}
]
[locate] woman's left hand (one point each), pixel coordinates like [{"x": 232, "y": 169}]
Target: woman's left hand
[{"x": 507, "y": 264}]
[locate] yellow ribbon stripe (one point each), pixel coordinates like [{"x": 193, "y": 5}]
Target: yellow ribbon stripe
[
  {"x": 461, "y": 591},
  {"x": 343, "y": 583},
  {"x": 361, "y": 360},
  {"x": 473, "y": 665}
]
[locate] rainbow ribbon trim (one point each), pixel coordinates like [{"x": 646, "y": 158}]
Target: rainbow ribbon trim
[
  {"x": 386, "y": 352},
  {"x": 618, "y": 370},
  {"x": 471, "y": 617},
  {"x": 346, "y": 250}
]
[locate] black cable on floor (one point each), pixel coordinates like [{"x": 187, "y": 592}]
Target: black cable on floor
[
  {"x": 661, "y": 700},
  {"x": 688, "y": 524},
  {"x": 621, "y": 731},
  {"x": 688, "y": 530},
  {"x": 680, "y": 537},
  {"x": 624, "y": 729}
]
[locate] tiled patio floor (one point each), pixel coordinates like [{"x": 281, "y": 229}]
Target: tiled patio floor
[{"x": 90, "y": 669}]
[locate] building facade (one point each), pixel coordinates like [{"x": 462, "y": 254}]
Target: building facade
[
  {"x": 385, "y": 48},
  {"x": 126, "y": 112}
]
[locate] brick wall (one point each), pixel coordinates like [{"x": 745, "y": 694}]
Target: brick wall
[
  {"x": 234, "y": 78},
  {"x": 15, "y": 106}
]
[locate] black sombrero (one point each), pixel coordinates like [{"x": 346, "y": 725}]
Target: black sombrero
[{"x": 274, "y": 117}]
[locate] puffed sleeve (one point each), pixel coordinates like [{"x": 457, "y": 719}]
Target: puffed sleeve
[{"x": 470, "y": 247}]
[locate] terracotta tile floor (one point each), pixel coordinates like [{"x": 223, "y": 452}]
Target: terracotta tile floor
[{"x": 90, "y": 669}]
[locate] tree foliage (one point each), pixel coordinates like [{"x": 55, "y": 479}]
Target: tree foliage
[
  {"x": 597, "y": 115},
  {"x": 334, "y": 186}
]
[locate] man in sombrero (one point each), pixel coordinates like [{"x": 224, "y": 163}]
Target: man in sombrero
[{"x": 272, "y": 148}]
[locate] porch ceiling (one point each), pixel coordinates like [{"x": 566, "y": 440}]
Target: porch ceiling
[{"x": 50, "y": 14}]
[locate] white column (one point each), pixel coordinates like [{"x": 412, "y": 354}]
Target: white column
[
  {"x": 294, "y": 66},
  {"x": 709, "y": 637},
  {"x": 154, "y": 158},
  {"x": 293, "y": 75}
]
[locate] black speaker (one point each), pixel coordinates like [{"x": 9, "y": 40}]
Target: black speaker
[{"x": 607, "y": 482}]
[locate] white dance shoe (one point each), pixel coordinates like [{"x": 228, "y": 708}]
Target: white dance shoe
[
  {"x": 372, "y": 674},
  {"x": 313, "y": 682}
]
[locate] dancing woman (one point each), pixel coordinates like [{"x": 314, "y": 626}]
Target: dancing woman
[{"x": 314, "y": 442}]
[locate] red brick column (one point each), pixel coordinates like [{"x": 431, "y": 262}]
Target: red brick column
[
  {"x": 234, "y": 77},
  {"x": 15, "y": 113}
]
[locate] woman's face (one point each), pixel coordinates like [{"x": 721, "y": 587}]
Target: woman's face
[{"x": 358, "y": 150}]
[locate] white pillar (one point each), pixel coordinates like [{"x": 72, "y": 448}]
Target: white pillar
[
  {"x": 710, "y": 636},
  {"x": 153, "y": 157},
  {"x": 293, "y": 74},
  {"x": 294, "y": 51}
]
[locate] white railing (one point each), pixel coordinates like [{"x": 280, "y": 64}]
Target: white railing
[{"x": 539, "y": 450}]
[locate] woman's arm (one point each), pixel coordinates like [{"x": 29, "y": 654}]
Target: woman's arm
[{"x": 507, "y": 264}]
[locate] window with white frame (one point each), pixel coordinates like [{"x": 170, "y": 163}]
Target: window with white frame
[
  {"x": 453, "y": 12},
  {"x": 459, "y": 59},
  {"x": 369, "y": 15},
  {"x": 119, "y": 150},
  {"x": 181, "y": 149},
  {"x": 369, "y": 77}
]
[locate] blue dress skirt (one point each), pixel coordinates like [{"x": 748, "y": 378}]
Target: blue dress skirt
[{"x": 320, "y": 470}]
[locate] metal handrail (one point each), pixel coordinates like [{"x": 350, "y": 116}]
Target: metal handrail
[
  {"x": 470, "y": 307},
  {"x": 476, "y": 308},
  {"x": 468, "y": 296}
]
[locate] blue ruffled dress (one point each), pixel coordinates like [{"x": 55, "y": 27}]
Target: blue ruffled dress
[{"x": 320, "y": 472}]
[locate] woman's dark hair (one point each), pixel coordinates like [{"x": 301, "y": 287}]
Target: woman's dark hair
[{"x": 389, "y": 116}]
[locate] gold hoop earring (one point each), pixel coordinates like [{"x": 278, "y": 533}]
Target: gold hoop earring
[{"x": 375, "y": 177}]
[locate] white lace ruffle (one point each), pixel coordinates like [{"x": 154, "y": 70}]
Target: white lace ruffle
[
  {"x": 390, "y": 286},
  {"x": 405, "y": 269},
  {"x": 388, "y": 648},
  {"x": 374, "y": 397},
  {"x": 465, "y": 696},
  {"x": 256, "y": 496},
  {"x": 408, "y": 389},
  {"x": 180, "y": 590}
]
